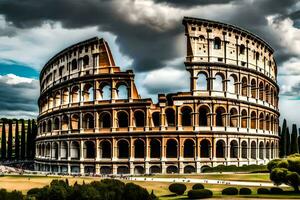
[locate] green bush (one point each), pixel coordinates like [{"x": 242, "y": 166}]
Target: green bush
[
  {"x": 245, "y": 191},
  {"x": 198, "y": 186},
  {"x": 200, "y": 194},
  {"x": 33, "y": 191},
  {"x": 3, "y": 194},
  {"x": 230, "y": 191},
  {"x": 276, "y": 190},
  {"x": 15, "y": 195},
  {"x": 263, "y": 191},
  {"x": 135, "y": 192},
  {"x": 177, "y": 188}
]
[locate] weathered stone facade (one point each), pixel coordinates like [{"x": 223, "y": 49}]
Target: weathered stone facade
[{"x": 92, "y": 119}]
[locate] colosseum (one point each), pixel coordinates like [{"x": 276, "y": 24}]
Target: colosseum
[{"x": 93, "y": 121}]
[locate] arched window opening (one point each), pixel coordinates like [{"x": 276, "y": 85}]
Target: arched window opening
[
  {"x": 57, "y": 99},
  {"x": 155, "y": 170},
  {"x": 244, "y": 87},
  {"x": 65, "y": 123},
  {"x": 189, "y": 149},
  {"x": 244, "y": 149},
  {"x": 257, "y": 55},
  {"x": 244, "y": 119},
  {"x": 205, "y": 148},
  {"x": 271, "y": 96},
  {"x": 261, "y": 150},
  {"x": 253, "y": 120},
  {"x": 75, "y": 122},
  {"x": 202, "y": 82},
  {"x": 218, "y": 83},
  {"x": 122, "y": 92},
  {"x": 44, "y": 127},
  {"x": 106, "y": 93},
  {"x": 139, "y": 149},
  {"x": 123, "y": 149},
  {"x": 105, "y": 149},
  {"x": 272, "y": 124},
  {"x": 267, "y": 93},
  {"x": 49, "y": 125},
  {"x": 189, "y": 169},
  {"x": 234, "y": 149},
  {"x": 86, "y": 61},
  {"x": 75, "y": 94},
  {"x": 156, "y": 119},
  {"x": 56, "y": 124},
  {"x": 261, "y": 121},
  {"x": 268, "y": 150},
  {"x": 272, "y": 150},
  {"x": 231, "y": 84},
  {"x": 203, "y": 115},
  {"x": 220, "y": 149},
  {"x": 122, "y": 119},
  {"x": 186, "y": 116},
  {"x": 155, "y": 148},
  {"x": 74, "y": 64},
  {"x": 88, "y": 121},
  {"x": 88, "y": 93},
  {"x": 48, "y": 150},
  {"x": 242, "y": 49},
  {"x": 64, "y": 150},
  {"x": 172, "y": 169},
  {"x": 89, "y": 149},
  {"x": 65, "y": 96},
  {"x": 105, "y": 120},
  {"x": 54, "y": 150},
  {"x": 253, "y": 150},
  {"x": 50, "y": 102},
  {"x": 170, "y": 114},
  {"x": 253, "y": 88},
  {"x": 172, "y": 148},
  {"x": 261, "y": 91},
  {"x": 75, "y": 150},
  {"x": 233, "y": 117},
  {"x": 267, "y": 122},
  {"x": 217, "y": 43},
  {"x": 139, "y": 118},
  {"x": 220, "y": 117}
]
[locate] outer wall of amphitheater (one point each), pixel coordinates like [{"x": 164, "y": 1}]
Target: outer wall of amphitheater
[{"x": 92, "y": 119}]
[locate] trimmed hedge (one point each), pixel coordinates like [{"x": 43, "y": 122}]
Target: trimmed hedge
[
  {"x": 230, "y": 191},
  {"x": 177, "y": 188},
  {"x": 198, "y": 186},
  {"x": 276, "y": 190},
  {"x": 245, "y": 191},
  {"x": 263, "y": 191},
  {"x": 200, "y": 194}
]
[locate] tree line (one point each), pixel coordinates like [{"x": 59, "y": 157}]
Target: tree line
[
  {"x": 289, "y": 143},
  {"x": 22, "y": 146}
]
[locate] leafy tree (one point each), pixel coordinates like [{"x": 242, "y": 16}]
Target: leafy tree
[
  {"x": 28, "y": 140},
  {"x": 3, "y": 143},
  {"x": 33, "y": 137},
  {"x": 282, "y": 142},
  {"x": 288, "y": 142},
  {"x": 294, "y": 140},
  {"x": 17, "y": 141},
  {"x": 23, "y": 142},
  {"x": 9, "y": 141}
]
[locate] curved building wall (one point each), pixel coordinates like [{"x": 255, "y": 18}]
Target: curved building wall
[{"x": 92, "y": 119}]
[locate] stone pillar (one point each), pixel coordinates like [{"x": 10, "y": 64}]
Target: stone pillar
[
  {"x": 81, "y": 150},
  {"x": 97, "y": 150}
]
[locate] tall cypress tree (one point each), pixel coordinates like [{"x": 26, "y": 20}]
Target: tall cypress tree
[
  {"x": 288, "y": 142},
  {"x": 3, "y": 143},
  {"x": 9, "y": 141},
  {"x": 33, "y": 137},
  {"x": 282, "y": 142},
  {"x": 17, "y": 142},
  {"x": 28, "y": 142},
  {"x": 23, "y": 140},
  {"x": 294, "y": 140}
]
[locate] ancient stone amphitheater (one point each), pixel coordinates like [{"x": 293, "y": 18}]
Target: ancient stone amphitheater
[{"x": 93, "y": 120}]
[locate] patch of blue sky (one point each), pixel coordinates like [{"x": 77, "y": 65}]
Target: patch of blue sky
[{"x": 11, "y": 67}]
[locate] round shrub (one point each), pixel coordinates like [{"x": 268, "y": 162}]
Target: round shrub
[
  {"x": 198, "y": 186},
  {"x": 177, "y": 188},
  {"x": 245, "y": 191},
  {"x": 230, "y": 191},
  {"x": 135, "y": 192},
  {"x": 263, "y": 191},
  {"x": 276, "y": 190},
  {"x": 200, "y": 194}
]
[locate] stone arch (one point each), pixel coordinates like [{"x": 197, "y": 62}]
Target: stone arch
[
  {"x": 106, "y": 170},
  {"x": 74, "y": 64},
  {"x": 156, "y": 119},
  {"x": 54, "y": 148},
  {"x": 122, "y": 91},
  {"x": 261, "y": 150},
  {"x": 203, "y": 115},
  {"x": 49, "y": 125},
  {"x": 172, "y": 169},
  {"x": 272, "y": 123},
  {"x": 242, "y": 49},
  {"x": 75, "y": 94},
  {"x": 105, "y": 149},
  {"x": 234, "y": 117},
  {"x": 267, "y": 93},
  {"x": 189, "y": 148},
  {"x": 65, "y": 123},
  {"x": 271, "y": 95},
  {"x": 89, "y": 149},
  {"x": 65, "y": 96},
  {"x": 267, "y": 120},
  {"x": 75, "y": 122},
  {"x": 88, "y": 121},
  {"x": 272, "y": 150},
  {"x": 189, "y": 169},
  {"x": 105, "y": 92},
  {"x": 139, "y": 118},
  {"x": 205, "y": 147},
  {"x": 170, "y": 116},
  {"x": 64, "y": 150},
  {"x": 50, "y": 102},
  {"x": 44, "y": 127},
  {"x": 232, "y": 86},
  {"x": 234, "y": 149},
  {"x": 220, "y": 149},
  {"x": 186, "y": 116},
  {"x": 56, "y": 99},
  {"x": 253, "y": 88},
  {"x": 217, "y": 43},
  {"x": 75, "y": 150},
  {"x": 253, "y": 120},
  {"x": 155, "y": 169},
  {"x": 218, "y": 82},
  {"x": 56, "y": 123},
  {"x": 220, "y": 116},
  {"x": 244, "y": 86},
  {"x": 202, "y": 81},
  {"x": 123, "y": 149},
  {"x": 85, "y": 60},
  {"x": 155, "y": 148},
  {"x": 105, "y": 120},
  {"x": 48, "y": 150},
  {"x": 88, "y": 92},
  {"x": 268, "y": 150},
  {"x": 244, "y": 117},
  {"x": 139, "y": 170},
  {"x": 244, "y": 150},
  {"x": 261, "y": 121},
  {"x": 122, "y": 119},
  {"x": 172, "y": 149},
  {"x": 261, "y": 90},
  {"x": 253, "y": 150},
  {"x": 123, "y": 170},
  {"x": 139, "y": 148}
]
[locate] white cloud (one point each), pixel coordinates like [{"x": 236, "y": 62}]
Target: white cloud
[{"x": 13, "y": 79}]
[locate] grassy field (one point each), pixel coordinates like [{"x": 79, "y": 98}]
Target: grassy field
[{"x": 24, "y": 183}]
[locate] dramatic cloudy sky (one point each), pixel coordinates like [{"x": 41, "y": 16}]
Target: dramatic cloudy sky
[{"x": 144, "y": 35}]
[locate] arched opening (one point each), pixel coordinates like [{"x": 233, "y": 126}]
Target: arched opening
[
  {"x": 253, "y": 150},
  {"x": 74, "y": 64},
  {"x": 89, "y": 169},
  {"x": 217, "y": 43},
  {"x": 54, "y": 150},
  {"x": 48, "y": 150},
  {"x": 202, "y": 82},
  {"x": 49, "y": 125},
  {"x": 122, "y": 92},
  {"x": 271, "y": 96},
  {"x": 253, "y": 88},
  {"x": 156, "y": 119},
  {"x": 105, "y": 149},
  {"x": 65, "y": 96},
  {"x": 75, "y": 150},
  {"x": 267, "y": 93},
  {"x": 89, "y": 149},
  {"x": 261, "y": 150},
  {"x": 50, "y": 102},
  {"x": 244, "y": 119},
  {"x": 123, "y": 170},
  {"x": 244, "y": 86},
  {"x": 88, "y": 93},
  {"x": 257, "y": 55},
  {"x": 242, "y": 49},
  {"x": 75, "y": 122},
  {"x": 205, "y": 148},
  {"x": 122, "y": 119},
  {"x": 261, "y": 91},
  {"x": 272, "y": 150},
  {"x": 203, "y": 115},
  {"x": 220, "y": 116},
  {"x": 272, "y": 124},
  {"x": 44, "y": 127},
  {"x": 139, "y": 148},
  {"x": 105, "y": 120},
  {"x": 75, "y": 94},
  {"x": 268, "y": 150},
  {"x": 170, "y": 114},
  {"x": 186, "y": 116},
  {"x": 172, "y": 169},
  {"x": 244, "y": 149},
  {"x": 56, "y": 124},
  {"x": 123, "y": 149},
  {"x": 64, "y": 150},
  {"x": 253, "y": 120},
  {"x": 65, "y": 123},
  {"x": 218, "y": 83},
  {"x": 234, "y": 149},
  {"x": 88, "y": 121},
  {"x": 231, "y": 84},
  {"x": 220, "y": 149},
  {"x": 139, "y": 170},
  {"x": 189, "y": 149},
  {"x": 234, "y": 117},
  {"x": 139, "y": 118},
  {"x": 189, "y": 169},
  {"x": 105, "y": 170},
  {"x": 261, "y": 121},
  {"x": 267, "y": 122},
  {"x": 171, "y": 149},
  {"x": 155, "y": 148},
  {"x": 155, "y": 170},
  {"x": 86, "y": 61},
  {"x": 106, "y": 92},
  {"x": 57, "y": 99}
]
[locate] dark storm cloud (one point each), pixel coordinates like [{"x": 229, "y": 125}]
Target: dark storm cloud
[{"x": 192, "y": 3}]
